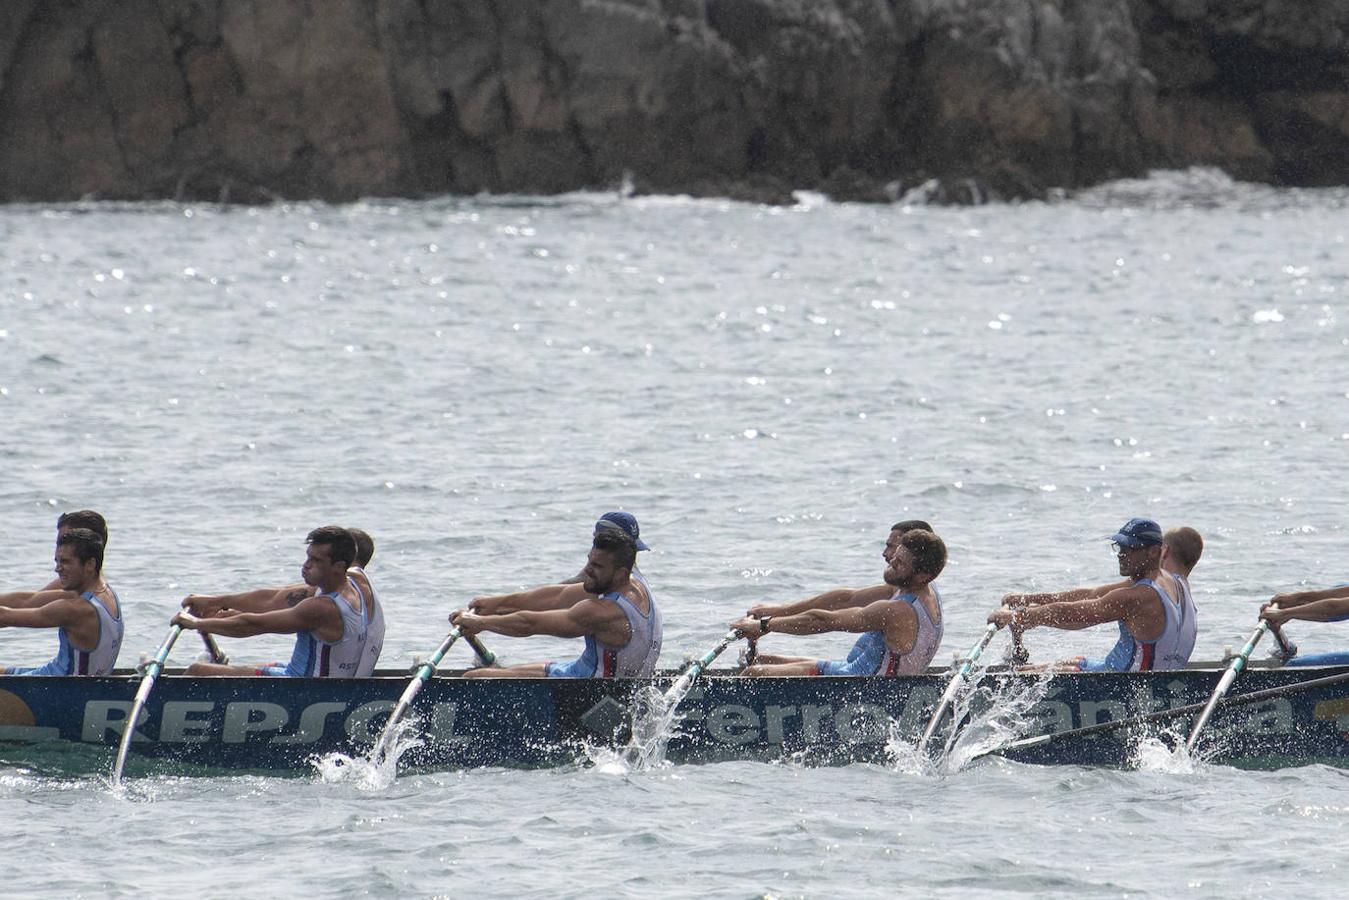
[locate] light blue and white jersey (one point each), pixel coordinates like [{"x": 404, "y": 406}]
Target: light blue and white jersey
[
  {"x": 373, "y": 611},
  {"x": 314, "y": 657},
  {"x": 1172, "y": 648},
  {"x": 872, "y": 656},
  {"x": 71, "y": 660},
  {"x": 635, "y": 659}
]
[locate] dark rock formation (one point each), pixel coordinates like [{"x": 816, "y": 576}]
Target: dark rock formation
[{"x": 956, "y": 100}]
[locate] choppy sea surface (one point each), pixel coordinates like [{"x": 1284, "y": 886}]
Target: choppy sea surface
[{"x": 474, "y": 381}]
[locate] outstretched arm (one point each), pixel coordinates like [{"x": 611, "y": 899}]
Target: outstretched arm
[
  {"x": 838, "y": 599},
  {"x": 539, "y": 599},
  {"x": 1071, "y": 595},
  {"x": 317, "y": 614},
  {"x": 1300, "y": 598},
  {"x": 1120, "y": 604},
  {"x": 61, "y": 612},
  {"x": 1330, "y": 609},
  {"x": 259, "y": 600},
  {"x": 872, "y": 617},
  {"x": 604, "y": 620},
  {"x": 34, "y": 599}
]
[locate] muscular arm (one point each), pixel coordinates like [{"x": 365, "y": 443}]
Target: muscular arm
[
  {"x": 1071, "y": 595},
  {"x": 1127, "y": 604},
  {"x": 1300, "y": 598},
  {"x": 838, "y": 599},
  {"x": 539, "y": 599},
  {"x": 1329, "y": 609},
  {"x": 317, "y": 614},
  {"x": 56, "y": 613},
  {"x": 255, "y": 601},
  {"x": 34, "y": 599},
  {"x": 604, "y": 620}
]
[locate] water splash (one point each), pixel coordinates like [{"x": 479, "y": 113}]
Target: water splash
[
  {"x": 371, "y": 772},
  {"x": 996, "y": 714},
  {"x": 653, "y": 720},
  {"x": 1165, "y": 756}
]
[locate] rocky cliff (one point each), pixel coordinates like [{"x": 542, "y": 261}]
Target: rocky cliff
[{"x": 256, "y": 99}]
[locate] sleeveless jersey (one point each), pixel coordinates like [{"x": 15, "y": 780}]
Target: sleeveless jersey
[
  {"x": 1171, "y": 650},
  {"x": 635, "y": 659},
  {"x": 872, "y": 656},
  {"x": 314, "y": 657},
  {"x": 373, "y": 612},
  {"x": 71, "y": 660}
]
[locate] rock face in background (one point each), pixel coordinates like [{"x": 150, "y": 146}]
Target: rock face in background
[{"x": 865, "y": 99}]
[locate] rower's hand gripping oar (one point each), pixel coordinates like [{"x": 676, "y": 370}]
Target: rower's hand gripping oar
[
  {"x": 419, "y": 679},
  {"x": 954, "y": 685},
  {"x": 1234, "y": 669},
  {"x": 696, "y": 666},
  {"x": 152, "y": 670}
]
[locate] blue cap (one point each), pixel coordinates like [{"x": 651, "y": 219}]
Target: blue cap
[
  {"x": 624, "y": 522},
  {"x": 1139, "y": 533}
]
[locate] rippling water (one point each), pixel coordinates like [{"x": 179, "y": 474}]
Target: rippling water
[{"x": 475, "y": 381}]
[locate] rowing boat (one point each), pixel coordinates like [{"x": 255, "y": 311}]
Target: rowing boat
[{"x": 285, "y": 723}]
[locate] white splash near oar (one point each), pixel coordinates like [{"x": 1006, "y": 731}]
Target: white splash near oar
[{"x": 654, "y": 719}]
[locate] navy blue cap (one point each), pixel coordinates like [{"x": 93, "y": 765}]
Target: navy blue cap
[
  {"x": 624, "y": 522},
  {"x": 1139, "y": 533}
]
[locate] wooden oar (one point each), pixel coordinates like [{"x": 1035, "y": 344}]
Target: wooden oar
[
  {"x": 681, "y": 685},
  {"x": 1287, "y": 649},
  {"x": 1160, "y": 715},
  {"x": 1233, "y": 670},
  {"x": 217, "y": 655},
  {"x": 152, "y": 670},
  {"x": 953, "y": 686},
  {"x": 485, "y": 656},
  {"x": 419, "y": 679}
]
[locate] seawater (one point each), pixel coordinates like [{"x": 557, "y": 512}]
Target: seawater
[{"x": 475, "y": 380}]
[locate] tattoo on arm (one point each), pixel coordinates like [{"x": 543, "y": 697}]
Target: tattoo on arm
[{"x": 296, "y": 596}]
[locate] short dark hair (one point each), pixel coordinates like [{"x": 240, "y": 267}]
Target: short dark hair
[
  {"x": 929, "y": 551},
  {"x": 365, "y": 546},
  {"x": 341, "y": 545},
  {"x": 912, "y": 525},
  {"x": 87, "y": 545},
  {"x": 619, "y": 545},
  {"x": 85, "y": 518},
  {"x": 1185, "y": 544}
]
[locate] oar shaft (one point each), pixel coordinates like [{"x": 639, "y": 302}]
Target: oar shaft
[
  {"x": 152, "y": 670},
  {"x": 212, "y": 648},
  {"x": 419, "y": 678},
  {"x": 1233, "y": 670},
  {"x": 487, "y": 657},
  {"x": 953, "y": 687},
  {"x": 697, "y": 666}
]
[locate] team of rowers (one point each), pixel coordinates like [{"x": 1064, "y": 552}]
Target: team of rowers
[{"x": 338, "y": 619}]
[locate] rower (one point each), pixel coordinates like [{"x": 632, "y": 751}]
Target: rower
[
  {"x": 846, "y": 598},
  {"x": 83, "y": 607},
  {"x": 612, "y": 608},
  {"x": 901, "y": 621},
  {"x": 330, "y": 626},
  {"x": 1328, "y": 605},
  {"x": 275, "y": 598},
  {"x": 1152, "y": 606}
]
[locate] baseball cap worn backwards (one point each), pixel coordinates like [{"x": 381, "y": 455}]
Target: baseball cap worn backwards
[
  {"x": 1139, "y": 533},
  {"x": 623, "y": 522}
]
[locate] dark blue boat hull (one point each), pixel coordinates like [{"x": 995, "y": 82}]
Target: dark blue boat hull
[{"x": 283, "y": 724}]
